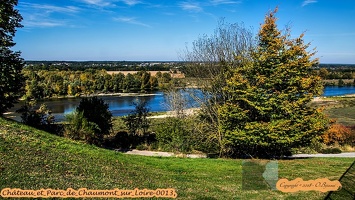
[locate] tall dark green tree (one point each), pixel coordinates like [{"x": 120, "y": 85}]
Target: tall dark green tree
[
  {"x": 267, "y": 112},
  {"x": 96, "y": 111},
  {"x": 11, "y": 64}
]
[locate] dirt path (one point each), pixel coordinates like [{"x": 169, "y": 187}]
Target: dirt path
[
  {"x": 340, "y": 155},
  {"x": 163, "y": 154},
  {"x": 187, "y": 112},
  {"x": 169, "y": 154}
]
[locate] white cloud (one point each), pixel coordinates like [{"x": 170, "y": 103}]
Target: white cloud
[
  {"x": 191, "y": 6},
  {"x": 131, "y": 2},
  {"x": 42, "y": 24},
  {"x": 49, "y": 8},
  {"x": 42, "y": 20},
  {"x": 40, "y": 15},
  {"x": 130, "y": 20},
  {"x": 306, "y": 2},
  {"x": 219, "y": 2},
  {"x": 100, "y": 3},
  {"x": 105, "y": 3}
]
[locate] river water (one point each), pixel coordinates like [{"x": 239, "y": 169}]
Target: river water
[{"x": 123, "y": 105}]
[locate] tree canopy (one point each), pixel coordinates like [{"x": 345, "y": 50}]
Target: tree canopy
[
  {"x": 11, "y": 80},
  {"x": 96, "y": 112}
]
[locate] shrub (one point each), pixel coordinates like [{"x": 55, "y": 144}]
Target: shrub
[
  {"x": 40, "y": 118},
  {"x": 124, "y": 140},
  {"x": 36, "y": 117},
  {"x": 79, "y": 128},
  {"x": 184, "y": 135},
  {"x": 316, "y": 146},
  {"x": 338, "y": 134},
  {"x": 331, "y": 150},
  {"x": 173, "y": 135},
  {"x": 121, "y": 140}
]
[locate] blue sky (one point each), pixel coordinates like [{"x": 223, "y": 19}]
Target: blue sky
[{"x": 145, "y": 30}]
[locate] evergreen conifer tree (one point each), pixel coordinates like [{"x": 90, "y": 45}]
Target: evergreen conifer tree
[{"x": 267, "y": 113}]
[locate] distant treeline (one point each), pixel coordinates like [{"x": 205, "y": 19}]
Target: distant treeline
[
  {"x": 52, "y": 83},
  {"x": 336, "y": 73},
  {"x": 337, "y": 66},
  {"x": 106, "y": 65},
  {"x": 142, "y": 65}
]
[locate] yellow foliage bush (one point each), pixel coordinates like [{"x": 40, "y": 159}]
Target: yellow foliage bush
[{"x": 340, "y": 134}]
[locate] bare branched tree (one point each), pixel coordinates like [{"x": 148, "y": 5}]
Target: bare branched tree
[
  {"x": 176, "y": 102},
  {"x": 210, "y": 61}
]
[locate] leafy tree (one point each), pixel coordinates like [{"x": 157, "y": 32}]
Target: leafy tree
[
  {"x": 128, "y": 82},
  {"x": 108, "y": 83},
  {"x": 267, "y": 112},
  {"x": 117, "y": 81},
  {"x": 153, "y": 82},
  {"x": 137, "y": 81},
  {"x": 145, "y": 85},
  {"x": 347, "y": 75},
  {"x": 166, "y": 77},
  {"x": 33, "y": 87},
  {"x": 158, "y": 74},
  {"x": 137, "y": 122},
  {"x": 323, "y": 73},
  {"x": 96, "y": 111},
  {"x": 11, "y": 80}
]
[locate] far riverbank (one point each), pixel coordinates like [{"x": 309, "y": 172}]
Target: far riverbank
[{"x": 121, "y": 104}]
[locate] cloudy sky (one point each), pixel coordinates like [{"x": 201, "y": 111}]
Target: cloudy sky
[{"x": 145, "y": 30}]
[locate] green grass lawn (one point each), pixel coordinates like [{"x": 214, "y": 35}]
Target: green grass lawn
[{"x": 33, "y": 159}]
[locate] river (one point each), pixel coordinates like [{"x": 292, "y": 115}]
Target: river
[{"x": 123, "y": 105}]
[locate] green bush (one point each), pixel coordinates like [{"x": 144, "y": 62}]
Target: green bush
[
  {"x": 125, "y": 140},
  {"x": 331, "y": 150},
  {"x": 183, "y": 135},
  {"x": 142, "y": 147},
  {"x": 315, "y": 147},
  {"x": 173, "y": 135},
  {"x": 79, "y": 128},
  {"x": 40, "y": 118}
]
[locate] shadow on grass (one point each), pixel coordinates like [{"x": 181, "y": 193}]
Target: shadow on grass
[{"x": 347, "y": 181}]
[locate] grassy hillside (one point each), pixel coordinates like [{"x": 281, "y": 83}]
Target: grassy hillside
[{"x": 33, "y": 159}]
